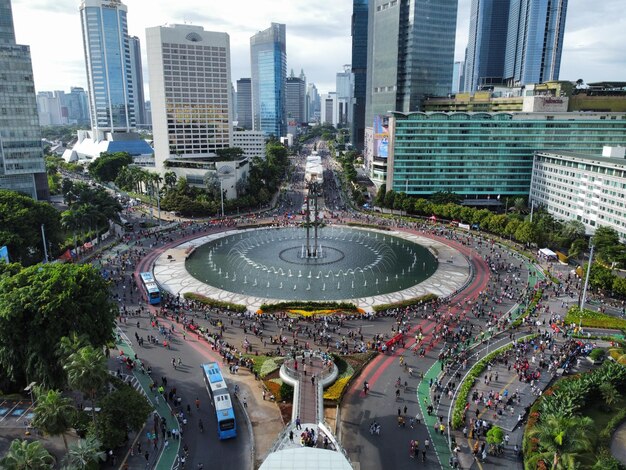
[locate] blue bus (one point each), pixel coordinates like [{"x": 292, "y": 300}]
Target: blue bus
[
  {"x": 218, "y": 391},
  {"x": 150, "y": 287}
]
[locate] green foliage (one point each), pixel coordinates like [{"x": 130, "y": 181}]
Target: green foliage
[
  {"x": 24, "y": 455},
  {"x": 597, "y": 354},
  {"x": 592, "y": 319},
  {"x": 286, "y": 392},
  {"x": 608, "y": 247},
  {"x": 53, "y": 413},
  {"x": 532, "y": 306},
  {"x": 107, "y": 167},
  {"x": 39, "y": 306},
  {"x": 21, "y": 218},
  {"x": 122, "y": 411},
  {"x": 406, "y": 303},
  {"x": 495, "y": 436},
  {"x": 86, "y": 454},
  {"x": 445, "y": 197},
  {"x": 214, "y": 303},
  {"x": 458, "y": 412}
]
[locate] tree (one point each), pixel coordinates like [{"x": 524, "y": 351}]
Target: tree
[
  {"x": 525, "y": 233},
  {"x": 39, "y": 306},
  {"x": 600, "y": 277},
  {"x": 560, "y": 440},
  {"x": 608, "y": 247},
  {"x": 379, "y": 200},
  {"x": 495, "y": 436},
  {"x": 578, "y": 247},
  {"x": 170, "y": 179},
  {"x": 445, "y": 197},
  {"x": 85, "y": 454},
  {"x": 573, "y": 230},
  {"x": 122, "y": 411},
  {"x": 108, "y": 165},
  {"x": 87, "y": 372},
  {"x": 21, "y": 218},
  {"x": 619, "y": 286},
  {"x": 53, "y": 413},
  {"x": 24, "y": 455}
]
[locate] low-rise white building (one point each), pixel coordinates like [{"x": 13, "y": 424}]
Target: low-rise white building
[
  {"x": 251, "y": 142},
  {"x": 588, "y": 188}
]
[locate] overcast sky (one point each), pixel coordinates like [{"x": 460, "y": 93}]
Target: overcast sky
[{"x": 318, "y": 35}]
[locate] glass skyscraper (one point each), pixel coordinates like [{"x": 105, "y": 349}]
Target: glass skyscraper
[
  {"x": 534, "y": 41},
  {"x": 516, "y": 42},
  {"x": 112, "y": 97},
  {"x": 137, "y": 81},
  {"x": 268, "y": 58},
  {"x": 486, "y": 46},
  {"x": 359, "y": 69},
  {"x": 22, "y": 165},
  {"x": 244, "y": 103},
  {"x": 410, "y": 53},
  {"x": 487, "y": 154}
]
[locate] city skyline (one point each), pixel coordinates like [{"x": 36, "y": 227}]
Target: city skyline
[{"x": 591, "y": 46}]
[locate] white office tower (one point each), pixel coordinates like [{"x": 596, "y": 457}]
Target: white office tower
[{"x": 190, "y": 92}]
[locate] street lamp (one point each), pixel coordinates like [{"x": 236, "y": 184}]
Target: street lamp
[
  {"x": 29, "y": 389},
  {"x": 223, "y": 173}
]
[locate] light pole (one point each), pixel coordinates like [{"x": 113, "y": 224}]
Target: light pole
[
  {"x": 45, "y": 248},
  {"x": 584, "y": 297},
  {"x": 532, "y": 209},
  {"x": 222, "y": 197}
]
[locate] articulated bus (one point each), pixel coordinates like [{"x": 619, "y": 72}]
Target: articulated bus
[
  {"x": 150, "y": 287},
  {"x": 218, "y": 391}
]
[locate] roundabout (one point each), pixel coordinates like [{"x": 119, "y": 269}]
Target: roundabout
[{"x": 367, "y": 267}]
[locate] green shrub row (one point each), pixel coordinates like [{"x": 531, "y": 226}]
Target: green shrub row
[
  {"x": 458, "y": 411},
  {"x": 530, "y": 309},
  {"x": 406, "y": 303},
  {"x": 309, "y": 305},
  {"x": 213, "y": 303},
  {"x": 593, "y": 319}
]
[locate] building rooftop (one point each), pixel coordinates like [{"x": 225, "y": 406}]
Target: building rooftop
[
  {"x": 306, "y": 458},
  {"x": 587, "y": 157}
]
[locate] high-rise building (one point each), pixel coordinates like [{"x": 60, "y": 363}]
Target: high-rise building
[
  {"x": 22, "y": 166},
  {"x": 112, "y": 94},
  {"x": 359, "y": 69},
  {"x": 268, "y": 58},
  {"x": 486, "y": 45},
  {"x": 344, "y": 86},
  {"x": 534, "y": 41},
  {"x": 137, "y": 80},
  {"x": 410, "y": 53},
  {"x": 295, "y": 95},
  {"x": 458, "y": 77},
  {"x": 329, "y": 109},
  {"x": 516, "y": 42},
  {"x": 50, "y": 108},
  {"x": 312, "y": 103},
  {"x": 77, "y": 107},
  {"x": 189, "y": 91},
  {"x": 244, "y": 103}
]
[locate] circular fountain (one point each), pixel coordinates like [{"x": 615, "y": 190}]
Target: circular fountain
[
  {"x": 262, "y": 265},
  {"x": 278, "y": 264}
]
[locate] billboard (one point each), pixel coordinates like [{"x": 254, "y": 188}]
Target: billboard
[
  {"x": 381, "y": 136},
  {"x": 4, "y": 254}
]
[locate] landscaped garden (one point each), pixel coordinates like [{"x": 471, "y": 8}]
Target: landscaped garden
[
  {"x": 592, "y": 319},
  {"x": 571, "y": 425}
]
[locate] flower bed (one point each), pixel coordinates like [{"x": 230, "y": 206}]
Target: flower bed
[
  {"x": 593, "y": 319},
  {"x": 350, "y": 367},
  {"x": 308, "y": 306},
  {"x": 406, "y": 303},
  {"x": 212, "y": 302},
  {"x": 264, "y": 365}
]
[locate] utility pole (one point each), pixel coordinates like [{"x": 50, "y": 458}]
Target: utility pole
[
  {"x": 45, "y": 248},
  {"x": 222, "y": 197},
  {"x": 532, "y": 210},
  {"x": 158, "y": 201},
  {"x": 584, "y": 297}
]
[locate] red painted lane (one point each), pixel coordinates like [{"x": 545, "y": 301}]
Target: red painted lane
[{"x": 377, "y": 367}]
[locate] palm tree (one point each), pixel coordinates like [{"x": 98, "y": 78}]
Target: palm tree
[
  {"x": 87, "y": 372},
  {"x": 85, "y": 454},
  {"x": 170, "y": 179},
  {"x": 560, "y": 440},
  {"x": 24, "y": 455},
  {"x": 53, "y": 413}
]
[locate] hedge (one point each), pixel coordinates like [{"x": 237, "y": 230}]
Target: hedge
[
  {"x": 530, "y": 309},
  {"x": 214, "y": 303},
  {"x": 593, "y": 319},
  {"x": 406, "y": 303},
  {"x": 458, "y": 412}
]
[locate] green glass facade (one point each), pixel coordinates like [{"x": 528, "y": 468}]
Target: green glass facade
[{"x": 487, "y": 154}]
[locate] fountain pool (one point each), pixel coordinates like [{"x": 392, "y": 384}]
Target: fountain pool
[{"x": 273, "y": 263}]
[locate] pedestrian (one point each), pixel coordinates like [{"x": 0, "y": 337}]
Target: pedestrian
[
  {"x": 245, "y": 402},
  {"x": 147, "y": 456},
  {"x": 298, "y": 425},
  {"x": 291, "y": 435},
  {"x": 264, "y": 394},
  {"x": 197, "y": 403}
]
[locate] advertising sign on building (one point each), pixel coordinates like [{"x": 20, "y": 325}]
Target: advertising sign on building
[
  {"x": 381, "y": 136},
  {"x": 545, "y": 104}
]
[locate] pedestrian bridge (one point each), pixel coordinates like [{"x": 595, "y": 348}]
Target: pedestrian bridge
[{"x": 308, "y": 374}]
